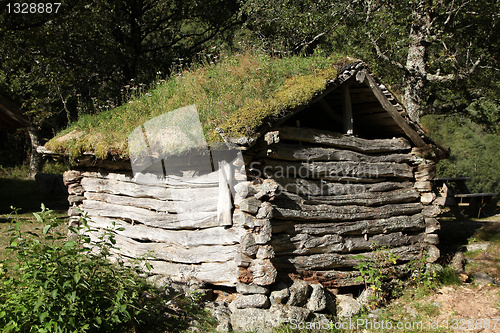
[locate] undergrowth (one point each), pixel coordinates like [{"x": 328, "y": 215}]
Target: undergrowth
[{"x": 55, "y": 282}]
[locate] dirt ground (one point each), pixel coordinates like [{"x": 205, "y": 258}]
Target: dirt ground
[
  {"x": 467, "y": 308},
  {"x": 472, "y": 307}
]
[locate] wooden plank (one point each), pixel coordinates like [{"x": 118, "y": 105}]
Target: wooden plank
[
  {"x": 221, "y": 274},
  {"x": 326, "y": 261},
  {"x": 336, "y": 170},
  {"x": 111, "y": 186},
  {"x": 297, "y": 211},
  {"x": 293, "y": 152},
  {"x": 364, "y": 199},
  {"x": 406, "y": 223},
  {"x": 202, "y": 205},
  {"x": 475, "y": 195},
  {"x": 302, "y": 244},
  {"x": 184, "y": 238},
  {"x": 343, "y": 141},
  {"x": 347, "y": 110},
  {"x": 391, "y": 109},
  {"x": 308, "y": 187},
  {"x": 172, "y": 252},
  {"x": 193, "y": 220},
  {"x": 208, "y": 180}
]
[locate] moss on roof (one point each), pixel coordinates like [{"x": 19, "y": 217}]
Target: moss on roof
[{"x": 237, "y": 94}]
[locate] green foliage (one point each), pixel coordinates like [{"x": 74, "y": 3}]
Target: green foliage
[
  {"x": 375, "y": 271},
  {"x": 237, "y": 93},
  {"x": 474, "y": 152},
  {"x": 56, "y": 283}
]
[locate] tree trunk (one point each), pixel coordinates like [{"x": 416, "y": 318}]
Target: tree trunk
[
  {"x": 36, "y": 157},
  {"x": 415, "y": 74}
]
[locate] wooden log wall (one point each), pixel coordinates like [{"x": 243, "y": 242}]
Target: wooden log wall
[
  {"x": 339, "y": 196},
  {"x": 176, "y": 224},
  {"x": 316, "y": 201}
]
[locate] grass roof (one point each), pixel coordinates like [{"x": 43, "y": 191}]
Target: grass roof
[{"x": 237, "y": 94}]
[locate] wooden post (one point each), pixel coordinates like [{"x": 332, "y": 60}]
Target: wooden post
[{"x": 347, "y": 110}]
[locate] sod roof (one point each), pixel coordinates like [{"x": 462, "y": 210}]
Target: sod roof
[{"x": 237, "y": 94}]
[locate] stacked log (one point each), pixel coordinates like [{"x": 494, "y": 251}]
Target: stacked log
[
  {"x": 173, "y": 223},
  {"x": 341, "y": 197}
]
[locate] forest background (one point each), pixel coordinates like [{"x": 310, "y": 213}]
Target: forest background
[{"x": 440, "y": 57}]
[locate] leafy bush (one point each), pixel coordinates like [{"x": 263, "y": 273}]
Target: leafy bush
[{"x": 55, "y": 283}]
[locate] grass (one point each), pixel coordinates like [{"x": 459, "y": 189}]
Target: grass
[{"x": 238, "y": 93}]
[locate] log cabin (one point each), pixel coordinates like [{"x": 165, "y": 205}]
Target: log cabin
[{"x": 308, "y": 190}]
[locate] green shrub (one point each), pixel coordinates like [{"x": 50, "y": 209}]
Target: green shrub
[{"x": 54, "y": 282}]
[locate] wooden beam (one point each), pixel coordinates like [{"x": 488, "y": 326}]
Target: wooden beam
[
  {"x": 391, "y": 109},
  {"x": 347, "y": 110}
]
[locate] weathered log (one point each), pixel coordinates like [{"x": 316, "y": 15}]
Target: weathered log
[
  {"x": 202, "y": 205},
  {"x": 309, "y": 244},
  {"x": 112, "y": 186},
  {"x": 291, "y": 152},
  {"x": 208, "y": 180},
  {"x": 362, "y": 199},
  {"x": 309, "y": 187},
  {"x": 334, "y": 260},
  {"x": 194, "y": 220},
  {"x": 343, "y": 141},
  {"x": 71, "y": 177},
  {"x": 414, "y": 223},
  {"x": 75, "y": 199},
  {"x": 184, "y": 238},
  {"x": 336, "y": 170},
  {"x": 425, "y": 172},
  {"x": 296, "y": 211},
  {"x": 172, "y": 252},
  {"x": 223, "y": 274},
  {"x": 76, "y": 189}
]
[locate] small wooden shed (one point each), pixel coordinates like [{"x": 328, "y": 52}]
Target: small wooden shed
[{"x": 339, "y": 176}]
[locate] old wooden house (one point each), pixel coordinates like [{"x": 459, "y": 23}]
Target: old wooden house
[{"x": 338, "y": 176}]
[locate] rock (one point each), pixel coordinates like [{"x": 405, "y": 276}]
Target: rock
[
  {"x": 367, "y": 296},
  {"x": 246, "y": 289},
  {"x": 427, "y": 197},
  {"x": 251, "y": 301},
  {"x": 317, "y": 300},
  {"x": 431, "y": 239},
  {"x": 299, "y": 291},
  {"x": 280, "y": 296},
  {"x": 477, "y": 246},
  {"x": 71, "y": 177},
  {"x": 222, "y": 314},
  {"x": 433, "y": 253},
  {"x": 433, "y": 267},
  {"x": 457, "y": 263},
  {"x": 250, "y": 205},
  {"x": 265, "y": 211},
  {"x": 483, "y": 278},
  {"x": 248, "y": 245},
  {"x": 265, "y": 252},
  {"x": 263, "y": 320},
  {"x": 347, "y": 306},
  {"x": 263, "y": 271}
]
